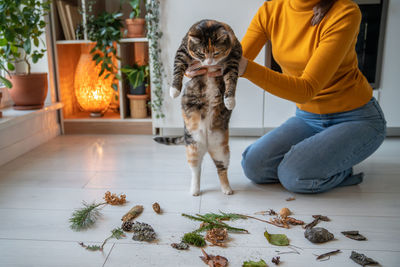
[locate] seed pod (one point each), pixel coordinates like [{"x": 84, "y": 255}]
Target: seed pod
[
  {"x": 132, "y": 213},
  {"x": 157, "y": 208}
]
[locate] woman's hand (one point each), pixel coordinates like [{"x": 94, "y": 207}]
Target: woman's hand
[
  {"x": 242, "y": 65},
  {"x": 197, "y": 69}
]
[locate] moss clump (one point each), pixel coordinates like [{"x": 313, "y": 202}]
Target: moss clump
[{"x": 194, "y": 239}]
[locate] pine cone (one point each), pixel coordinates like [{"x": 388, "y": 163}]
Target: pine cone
[{"x": 127, "y": 226}]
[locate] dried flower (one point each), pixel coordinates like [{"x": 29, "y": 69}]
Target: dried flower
[
  {"x": 132, "y": 213},
  {"x": 113, "y": 199},
  {"x": 157, "y": 208},
  {"x": 217, "y": 236},
  {"x": 143, "y": 232}
]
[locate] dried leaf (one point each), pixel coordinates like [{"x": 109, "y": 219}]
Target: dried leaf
[
  {"x": 114, "y": 199},
  {"x": 214, "y": 261},
  {"x": 290, "y": 199},
  {"x": 277, "y": 239},
  {"x": 157, "y": 208},
  {"x": 132, "y": 213},
  {"x": 362, "y": 259},
  {"x": 260, "y": 263},
  {"x": 317, "y": 218},
  {"x": 354, "y": 235}
]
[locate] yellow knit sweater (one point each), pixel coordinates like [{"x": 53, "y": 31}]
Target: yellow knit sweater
[{"x": 319, "y": 63}]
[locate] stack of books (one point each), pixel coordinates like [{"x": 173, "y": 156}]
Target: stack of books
[{"x": 70, "y": 18}]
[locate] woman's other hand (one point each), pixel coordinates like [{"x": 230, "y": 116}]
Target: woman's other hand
[
  {"x": 242, "y": 65},
  {"x": 197, "y": 69}
]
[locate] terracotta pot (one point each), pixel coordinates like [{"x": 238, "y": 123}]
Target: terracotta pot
[
  {"x": 141, "y": 53},
  {"x": 135, "y": 27},
  {"x": 28, "y": 91},
  {"x": 138, "y": 106}
]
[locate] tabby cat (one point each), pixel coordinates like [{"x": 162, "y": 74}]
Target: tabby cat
[{"x": 207, "y": 102}]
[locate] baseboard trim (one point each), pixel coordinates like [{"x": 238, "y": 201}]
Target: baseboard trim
[{"x": 108, "y": 127}]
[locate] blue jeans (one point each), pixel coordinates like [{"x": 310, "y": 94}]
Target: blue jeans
[{"x": 313, "y": 153}]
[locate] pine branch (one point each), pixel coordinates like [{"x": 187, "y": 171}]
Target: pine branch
[
  {"x": 212, "y": 223},
  {"x": 224, "y": 216},
  {"x": 85, "y": 217}
]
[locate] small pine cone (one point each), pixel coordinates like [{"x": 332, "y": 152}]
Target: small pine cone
[{"x": 127, "y": 226}]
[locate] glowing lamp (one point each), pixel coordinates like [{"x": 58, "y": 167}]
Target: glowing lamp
[{"x": 93, "y": 93}]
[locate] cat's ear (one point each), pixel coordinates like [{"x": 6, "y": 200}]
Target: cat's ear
[
  {"x": 194, "y": 39},
  {"x": 223, "y": 35}
]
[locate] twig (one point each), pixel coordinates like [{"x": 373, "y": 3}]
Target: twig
[
  {"x": 251, "y": 217},
  {"x": 328, "y": 254}
]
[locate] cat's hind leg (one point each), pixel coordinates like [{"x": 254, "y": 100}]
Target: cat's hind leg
[
  {"x": 195, "y": 153},
  {"x": 218, "y": 148}
]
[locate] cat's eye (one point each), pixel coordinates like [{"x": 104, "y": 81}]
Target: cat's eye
[{"x": 217, "y": 53}]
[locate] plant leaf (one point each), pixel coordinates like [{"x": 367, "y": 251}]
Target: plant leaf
[
  {"x": 6, "y": 82},
  {"x": 260, "y": 263},
  {"x": 277, "y": 239}
]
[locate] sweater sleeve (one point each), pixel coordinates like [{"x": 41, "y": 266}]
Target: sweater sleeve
[
  {"x": 256, "y": 35},
  {"x": 334, "y": 44}
]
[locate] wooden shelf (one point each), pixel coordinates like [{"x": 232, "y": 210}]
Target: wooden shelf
[{"x": 123, "y": 40}]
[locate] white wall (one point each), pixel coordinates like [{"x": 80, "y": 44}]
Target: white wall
[{"x": 390, "y": 79}]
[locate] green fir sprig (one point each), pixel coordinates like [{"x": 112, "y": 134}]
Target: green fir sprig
[
  {"x": 85, "y": 217},
  {"x": 212, "y": 220}
]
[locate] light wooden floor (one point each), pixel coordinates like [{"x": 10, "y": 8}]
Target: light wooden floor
[{"x": 39, "y": 191}]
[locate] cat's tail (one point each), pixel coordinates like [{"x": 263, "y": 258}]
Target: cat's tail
[{"x": 170, "y": 140}]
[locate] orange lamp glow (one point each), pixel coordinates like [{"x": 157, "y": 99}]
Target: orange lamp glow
[{"x": 93, "y": 93}]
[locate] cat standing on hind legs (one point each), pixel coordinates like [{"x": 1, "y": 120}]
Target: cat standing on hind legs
[{"x": 207, "y": 102}]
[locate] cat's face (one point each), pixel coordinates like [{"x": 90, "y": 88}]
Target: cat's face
[{"x": 209, "y": 42}]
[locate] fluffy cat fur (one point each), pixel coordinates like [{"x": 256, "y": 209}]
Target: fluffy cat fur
[{"x": 207, "y": 102}]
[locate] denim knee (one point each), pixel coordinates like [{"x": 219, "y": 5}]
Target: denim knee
[
  {"x": 256, "y": 169},
  {"x": 249, "y": 168},
  {"x": 292, "y": 178}
]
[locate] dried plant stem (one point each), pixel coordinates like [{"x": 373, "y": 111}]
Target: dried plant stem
[{"x": 251, "y": 217}]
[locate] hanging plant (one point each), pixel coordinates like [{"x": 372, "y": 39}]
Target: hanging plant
[
  {"x": 154, "y": 34},
  {"x": 105, "y": 30}
]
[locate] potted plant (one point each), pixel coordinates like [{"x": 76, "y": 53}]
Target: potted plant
[
  {"x": 135, "y": 25},
  {"x": 21, "y": 27},
  {"x": 138, "y": 77}
]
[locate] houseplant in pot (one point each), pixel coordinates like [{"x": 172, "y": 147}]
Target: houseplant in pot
[
  {"x": 135, "y": 25},
  {"x": 21, "y": 26},
  {"x": 138, "y": 77}
]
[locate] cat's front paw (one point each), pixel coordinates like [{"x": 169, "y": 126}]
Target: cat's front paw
[
  {"x": 227, "y": 190},
  {"x": 173, "y": 92},
  {"x": 229, "y": 102},
  {"x": 195, "y": 191}
]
